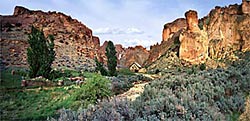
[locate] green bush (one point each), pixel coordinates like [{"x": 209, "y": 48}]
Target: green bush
[
  {"x": 94, "y": 88},
  {"x": 125, "y": 71},
  {"x": 99, "y": 67},
  {"x": 203, "y": 66},
  {"x": 201, "y": 25},
  {"x": 192, "y": 70},
  {"x": 207, "y": 22}
]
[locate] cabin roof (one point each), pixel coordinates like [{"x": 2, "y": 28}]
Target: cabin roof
[{"x": 136, "y": 64}]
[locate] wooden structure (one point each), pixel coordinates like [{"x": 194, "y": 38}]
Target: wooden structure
[{"x": 135, "y": 67}]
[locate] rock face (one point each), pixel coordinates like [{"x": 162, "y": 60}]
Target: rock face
[
  {"x": 246, "y": 6},
  {"x": 215, "y": 36},
  {"x": 171, "y": 28},
  {"x": 75, "y": 45},
  {"x": 21, "y": 10},
  {"x": 137, "y": 54},
  {"x": 228, "y": 30},
  {"x": 194, "y": 42},
  {"x": 125, "y": 56},
  {"x": 192, "y": 21},
  {"x": 170, "y": 35}
]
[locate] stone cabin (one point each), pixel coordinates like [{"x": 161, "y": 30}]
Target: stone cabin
[{"x": 135, "y": 67}]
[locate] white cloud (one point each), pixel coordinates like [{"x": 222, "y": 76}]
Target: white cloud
[
  {"x": 134, "y": 31},
  {"x": 134, "y": 42},
  {"x": 115, "y": 31}
]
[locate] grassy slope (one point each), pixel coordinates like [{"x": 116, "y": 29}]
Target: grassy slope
[{"x": 19, "y": 103}]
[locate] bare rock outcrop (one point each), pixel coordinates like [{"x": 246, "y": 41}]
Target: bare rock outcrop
[
  {"x": 173, "y": 27},
  {"x": 216, "y": 36},
  {"x": 137, "y": 54},
  {"x": 194, "y": 42},
  {"x": 125, "y": 56},
  {"x": 21, "y": 10},
  {"x": 170, "y": 36},
  {"x": 246, "y": 6},
  {"x": 75, "y": 46},
  {"x": 228, "y": 30},
  {"x": 192, "y": 21}
]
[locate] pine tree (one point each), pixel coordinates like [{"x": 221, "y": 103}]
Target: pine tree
[
  {"x": 40, "y": 54},
  {"x": 112, "y": 59}
]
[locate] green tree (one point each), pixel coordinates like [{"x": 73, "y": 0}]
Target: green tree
[
  {"x": 99, "y": 67},
  {"x": 40, "y": 54},
  {"x": 112, "y": 59}
]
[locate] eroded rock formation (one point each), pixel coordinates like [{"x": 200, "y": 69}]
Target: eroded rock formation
[
  {"x": 171, "y": 28},
  {"x": 216, "y": 36},
  {"x": 75, "y": 45},
  {"x": 192, "y": 21},
  {"x": 246, "y": 6},
  {"x": 125, "y": 56},
  {"x": 193, "y": 41},
  {"x": 137, "y": 54}
]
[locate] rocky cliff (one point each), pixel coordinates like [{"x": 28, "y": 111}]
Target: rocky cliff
[
  {"x": 193, "y": 41},
  {"x": 75, "y": 45},
  {"x": 215, "y": 36},
  {"x": 137, "y": 54},
  {"x": 125, "y": 56}
]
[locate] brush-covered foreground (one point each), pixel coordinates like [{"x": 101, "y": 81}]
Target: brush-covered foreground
[
  {"x": 216, "y": 94},
  {"x": 38, "y": 102}
]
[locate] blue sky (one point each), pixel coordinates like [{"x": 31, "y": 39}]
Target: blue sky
[{"x": 126, "y": 22}]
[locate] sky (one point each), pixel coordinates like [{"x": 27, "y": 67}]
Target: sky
[{"x": 126, "y": 22}]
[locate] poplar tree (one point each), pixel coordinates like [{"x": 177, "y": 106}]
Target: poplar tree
[
  {"x": 112, "y": 59},
  {"x": 40, "y": 53}
]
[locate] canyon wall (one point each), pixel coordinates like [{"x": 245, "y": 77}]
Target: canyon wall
[
  {"x": 215, "y": 36},
  {"x": 75, "y": 46}
]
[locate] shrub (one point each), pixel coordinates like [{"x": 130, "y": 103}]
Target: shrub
[
  {"x": 99, "y": 67},
  {"x": 192, "y": 70},
  {"x": 94, "y": 88},
  {"x": 203, "y": 66},
  {"x": 217, "y": 94},
  {"x": 208, "y": 21},
  {"x": 126, "y": 71},
  {"x": 200, "y": 25},
  {"x": 40, "y": 54},
  {"x": 120, "y": 84},
  {"x": 177, "y": 41}
]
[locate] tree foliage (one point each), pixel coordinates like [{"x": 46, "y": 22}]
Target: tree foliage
[
  {"x": 99, "y": 67},
  {"x": 112, "y": 59},
  {"x": 40, "y": 54}
]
